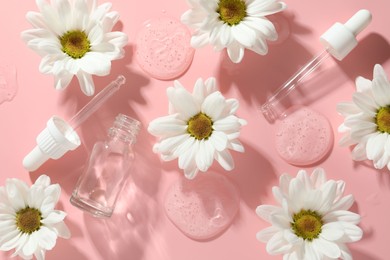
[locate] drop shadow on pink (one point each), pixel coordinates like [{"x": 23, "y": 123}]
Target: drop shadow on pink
[
  {"x": 253, "y": 175},
  {"x": 131, "y": 226},
  {"x": 116, "y": 237},
  {"x": 257, "y": 76},
  {"x": 372, "y": 49},
  {"x": 66, "y": 170},
  {"x": 362, "y": 255}
]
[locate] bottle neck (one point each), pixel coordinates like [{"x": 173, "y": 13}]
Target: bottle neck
[{"x": 125, "y": 129}]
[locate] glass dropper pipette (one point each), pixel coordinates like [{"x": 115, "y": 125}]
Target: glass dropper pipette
[
  {"x": 60, "y": 136},
  {"x": 338, "y": 41},
  {"x": 96, "y": 102}
]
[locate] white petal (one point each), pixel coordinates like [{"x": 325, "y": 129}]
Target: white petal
[
  {"x": 266, "y": 234},
  {"x": 236, "y": 146},
  {"x": 352, "y": 232},
  {"x": 228, "y": 124},
  {"x": 266, "y": 211},
  {"x": 375, "y": 146},
  {"x": 365, "y": 102},
  {"x": 347, "y": 108},
  {"x": 225, "y": 159},
  {"x": 344, "y": 203},
  {"x": 235, "y": 52},
  {"x": 263, "y": 25},
  {"x": 244, "y": 34},
  {"x": 167, "y": 126},
  {"x": 219, "y": 140},
  {"x": 342, "y": 215},
  {"x": 296, "y": 191},
  {"x": 62, "y": 80},
  {"x": 318, "y": 177},
  {"x": 278, "y": 245},
  {"x": 199, "y": 91},
  {"x": 310, "y": 252},
  {"x": 199, "y": 39},
  {"x": 31, "y": 244},
  {"x": 345, "y": 253},
  {"x": 95, "y": 63},
  {"x": 46, "y": 238},
  {"x": 185, "y": 146},
  {"x": 12, "y": 241},
  {"x": 328, "y": 196},
  {"x": 17, "y": 193},
  {"x": 363, "y": 84},
  {"x": 205, "y": 155},
  {"x": 264, "y": 8},
  {"x": 327, "y": 248},
  {"x": 332, "y": 231},
  {"x": 95, "y": 36},
  {"x": 61, "y": 230},
  {"x": 213, "y": 105},
  {"x": 170, "y": 144},
  {"x": 86, "y": 83},
  {"x": 183, "y": 102},
  {"x": 280, "y": 220},
  {"x": 189, "y": 156},
  {"x": 54, "y": 217},
  {"x": 381, "y": 91},
  {"x": 359, "y": 152}
]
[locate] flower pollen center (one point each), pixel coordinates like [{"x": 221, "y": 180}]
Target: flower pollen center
[
  {"x": 231, "y": 12},
  {"x": 200, "y": 126},
  {"x": 382, "y": 120},
  {"x": 75, "y": 44},
  {"x": 307, "y": 224},
  {"x": 28, "y": 220}
]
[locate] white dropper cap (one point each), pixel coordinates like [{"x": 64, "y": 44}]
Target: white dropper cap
[
  {"x": 53, "y": 142},
  {"x": 340, "y": 39}
]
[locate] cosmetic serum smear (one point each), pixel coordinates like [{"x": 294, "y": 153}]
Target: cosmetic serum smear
[
  {"x": 204, "y": 207},
  {"x": 304, "y": 137},
  {"x": 8, "y": 83},
  {"x": 163, "y": 48}
]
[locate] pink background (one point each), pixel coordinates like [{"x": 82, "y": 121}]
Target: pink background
[{"x": 139, "y": 229}]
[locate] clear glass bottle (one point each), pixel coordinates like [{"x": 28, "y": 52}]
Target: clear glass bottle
[{"x": 107, "y": 169}]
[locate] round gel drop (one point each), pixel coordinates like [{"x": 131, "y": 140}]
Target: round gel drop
[
  {"x": 303, "y": 137},
  {"x": 204, "y": 207},
  {"x": 163, "y": 48}
]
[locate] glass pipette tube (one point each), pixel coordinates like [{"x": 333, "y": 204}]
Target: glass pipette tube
[
  {"x": 96, "y": 102},
  {"x": 270, "y": 108},
  {"x": 338, "y": 41}
]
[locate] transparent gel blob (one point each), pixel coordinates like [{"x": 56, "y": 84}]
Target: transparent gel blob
[
  {"x": 163, "y": 48},
  {"x": 8, "y": 83},
  {"x": 204, "y": 207},
  {"x": 303, "y": 137}
]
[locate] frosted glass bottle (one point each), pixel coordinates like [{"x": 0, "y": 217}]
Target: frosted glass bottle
[{"x": 107, "y": 169}]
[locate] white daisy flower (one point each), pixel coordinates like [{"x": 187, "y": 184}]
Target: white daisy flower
[
  {"x": 75, "y": 38},
  {"x": 233, "y": 24},
  {"x": 367, "y": 120},
  {"x": 312, "y": 221},
  {"x": 200, "y": 127},
  {"x": 28, "y": 221}
]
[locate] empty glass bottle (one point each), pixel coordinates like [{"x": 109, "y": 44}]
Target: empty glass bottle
[{"x": 107, "y": 169}]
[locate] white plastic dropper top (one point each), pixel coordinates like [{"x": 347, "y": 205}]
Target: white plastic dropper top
[
  {"x": 59, "y": 136},
  {"x": 339, "y": 40}
]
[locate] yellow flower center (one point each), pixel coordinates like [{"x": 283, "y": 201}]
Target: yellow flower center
[
  {"x": 382, "y": 120},
  {"x": 231, "y": 12},
  {"x": 28, "y": 220},
  {"x": 75, "y": 44},
  {"x": 307, "y": 224},
  {"x": 200, "y": 126}
]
